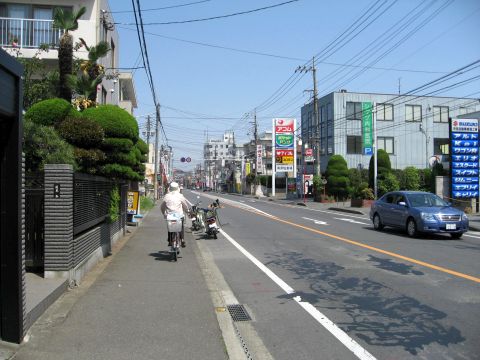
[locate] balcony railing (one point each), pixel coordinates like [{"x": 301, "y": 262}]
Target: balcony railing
[{"x": 28, "y": 33}]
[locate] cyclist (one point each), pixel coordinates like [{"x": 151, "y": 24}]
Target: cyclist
[{"x": 175, "y": 202}]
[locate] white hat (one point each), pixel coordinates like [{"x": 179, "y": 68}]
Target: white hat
[{"x": 173, "y": 186}]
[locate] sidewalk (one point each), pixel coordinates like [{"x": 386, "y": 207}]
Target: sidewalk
[{"x": 140, "y": 305}]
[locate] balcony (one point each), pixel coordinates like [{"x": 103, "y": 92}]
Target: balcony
[{"x": 28, "y": 33}]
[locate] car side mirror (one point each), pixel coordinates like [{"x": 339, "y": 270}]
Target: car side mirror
[{"x": 402, "y": 203}]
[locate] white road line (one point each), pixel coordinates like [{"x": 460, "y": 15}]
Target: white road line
[
  {"x": 346, "y": 340},
  {"x": 352, "y": 221},
  {"x": 319, "y": 222}
]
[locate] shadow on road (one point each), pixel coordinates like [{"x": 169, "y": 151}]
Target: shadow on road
[{"x": 163, "y": 255}]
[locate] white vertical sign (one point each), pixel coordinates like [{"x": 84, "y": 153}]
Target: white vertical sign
[{"x": 259, "y": 159}]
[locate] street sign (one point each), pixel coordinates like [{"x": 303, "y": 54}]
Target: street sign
[
  {"x": 367, "y": 128},
  {"x": 182, "y": 159},
  {"x": 188, "y": 159}
]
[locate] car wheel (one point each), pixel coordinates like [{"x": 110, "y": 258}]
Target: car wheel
[
  {"x": 377, "y": 222},
  {"x": 456, "y": 235},
  {"x": 411, "y": 228}
]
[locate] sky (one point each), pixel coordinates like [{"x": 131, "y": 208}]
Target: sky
[{"x": 210, "y": 76}]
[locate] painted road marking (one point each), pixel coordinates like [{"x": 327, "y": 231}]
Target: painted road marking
[
  {"x": 318, "y": 222},
  {"x": 352, "y": 221},
  {"x": 365, "y": 246},
  {"x": 329, "y": 325}
]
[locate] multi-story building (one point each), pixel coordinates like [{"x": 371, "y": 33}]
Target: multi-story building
[
  {"x": 26, "y": 25},
  {"x": 218, "y": 156},
  {"x": 411, "y": 129},
  {"x": 265, "y": 140}
]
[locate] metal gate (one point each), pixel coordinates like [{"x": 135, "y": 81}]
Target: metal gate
[{"x": 34, "y": 223}]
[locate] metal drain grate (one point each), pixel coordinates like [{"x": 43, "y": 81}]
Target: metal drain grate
[{"x": 238, "y": 312}]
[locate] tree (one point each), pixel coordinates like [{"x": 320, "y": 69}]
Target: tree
[
  {"x": 66, "y": 21},
  {"x": 383, "y": 167},
  {"x": 337, "y": 176}
]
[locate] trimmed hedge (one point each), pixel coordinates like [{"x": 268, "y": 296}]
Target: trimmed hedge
[
  {"x": 122, "y": 158},
  {"x": 120, "y": 172},
  {"x": 50, "y": 112},
  {"x": 82, "y": 132},
  {"x": 116, "y": 144},
  {"x": 89, "y": 159},
  {"x": 116, "y": 122},
  {"x": 142, "y": 146}
]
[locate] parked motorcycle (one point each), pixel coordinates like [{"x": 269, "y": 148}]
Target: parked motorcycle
[
  {"x": 211, "y": 219},
  {"x": 197, "y": 216}
]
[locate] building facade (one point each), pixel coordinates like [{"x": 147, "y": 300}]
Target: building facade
[
  {"x": 27, "y": 25},
  {"x": 411, "y": 129},
  {"x": 219, "y": 159}
]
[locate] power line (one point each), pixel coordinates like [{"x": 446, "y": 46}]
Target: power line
[
  {"x": 215, "y": 17},
  {"x": 161, "y": 8}
]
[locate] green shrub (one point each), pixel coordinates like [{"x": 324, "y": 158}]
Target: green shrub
[
  {"x": 121, "y": 158},
  {"x": 388, "y": 183},
  {"x": 89, "y": 159},
  {"x": 43, "y": 145},
  {"x": 146, "y": 203},
  {"x": 50, "y": 112},
  {"x": 367, "y": 194},
  {"x": 117, "y": 171},
  {"x": 337, "y": 177},
  {"x": 114, "y": 210},
  {"x": 82, "y": 132},
  {"x": 317, "y": 184},
  {"x": 117, "y": 144},
  {"x": 411, "y": 179},
  {"x": 115, "y": 121},
  {"x": 142, "y": 146}
]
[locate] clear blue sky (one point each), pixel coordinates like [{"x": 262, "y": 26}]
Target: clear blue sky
[{"x": 204, "y": 88}]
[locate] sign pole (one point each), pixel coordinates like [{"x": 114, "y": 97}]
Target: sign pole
[{"x": 273, "y": 159}]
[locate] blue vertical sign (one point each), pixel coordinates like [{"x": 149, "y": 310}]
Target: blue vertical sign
[{"x": 464, "y": 145}]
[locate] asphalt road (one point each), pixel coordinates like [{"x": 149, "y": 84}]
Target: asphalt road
[{"x": 325, "y": 285}]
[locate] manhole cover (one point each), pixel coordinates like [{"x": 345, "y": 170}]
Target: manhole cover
[{"x": 238, "y": 312}]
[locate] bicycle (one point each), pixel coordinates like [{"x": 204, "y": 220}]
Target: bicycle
[{"x": 175, "y": 228}]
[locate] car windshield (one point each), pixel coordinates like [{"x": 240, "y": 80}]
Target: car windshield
[{"x": 429, "y": 200}]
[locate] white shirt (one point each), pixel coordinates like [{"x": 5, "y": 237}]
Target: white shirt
[{"x": 174, "y": 202}]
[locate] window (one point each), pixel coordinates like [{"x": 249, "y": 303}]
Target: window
[
  {"x": 385, "y": 112},
  {"x": 413, "y": 113},
  {"x": 386, "y": 143},
  {"x": 354, "y": 144},
  {"x": 440, "y": 114},
  {"x": 440, "y": 146},
  {"x": 354, "y": 110},
  {"x": 112, "y": 53},
  {"x": 104, "y": 95}
]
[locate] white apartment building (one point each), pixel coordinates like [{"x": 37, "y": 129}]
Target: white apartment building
[
  {"x": 217, "y": 154},
  {"x": 27, "y": 24}
]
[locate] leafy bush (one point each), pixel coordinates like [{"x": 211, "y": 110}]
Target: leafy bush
[
  {"x": 337, "y": 177},
  {"x": 117, "y": 144},
  {"x": 142, "y": 146},
  {"x": 120, "y": 172},
  {"x": 89, "y": 159},
  {"x": 43, "y": 145},
  {"x": 317, "y": 184},
  {"x": 82, "y": 132},
  {"x": 367, "y": 194},
  {"x": 114, "y": 210},
  {"x": 128, "y": 159},
  {"x": 50, "y": 112},
  {"x": 116, "y": 122},
  {"x": 146, "y": 203},
  {"x": 358, "y": 191},
  {"x": 411, "y": 179},
  {"x": 388, "y": 183}
]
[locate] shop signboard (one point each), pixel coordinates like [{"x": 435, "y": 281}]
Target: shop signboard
[
  {"x": 464, "y": 148},
  {"x": 284, "y": 143},
  {"x": 259, "y": 159},
  {"x": 367, "y": 128},
  {"x": 132, "y": 202}
]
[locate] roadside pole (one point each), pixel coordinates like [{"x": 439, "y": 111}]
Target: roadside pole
[
  {"x": 375, "y": 162},
  {"x": 273, "y": 158}
]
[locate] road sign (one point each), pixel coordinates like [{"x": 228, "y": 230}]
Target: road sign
[
  {"x": 188, "y": 159},
  {"x": 182, "y": 159}
]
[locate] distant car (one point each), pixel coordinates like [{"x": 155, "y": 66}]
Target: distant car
[
  {"x": 207, "y": 189},
  {"x": 418, "y": 212}
]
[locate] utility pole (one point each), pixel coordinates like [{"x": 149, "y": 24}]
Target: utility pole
[
  {"x": 255, "y": 133},
  {"x": 313, "y": 69},
  {"x": 155, "y": 158},
  {"x": 148, "y": 131}
]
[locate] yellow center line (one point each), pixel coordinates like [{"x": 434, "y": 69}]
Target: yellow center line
[{"x": 373, "y": 248}]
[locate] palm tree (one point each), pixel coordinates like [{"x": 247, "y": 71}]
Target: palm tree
[
  {"x": 91, "y": 67},
  {"x": 85, "y": 89},
  {"x": 67, "y": 21}
]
